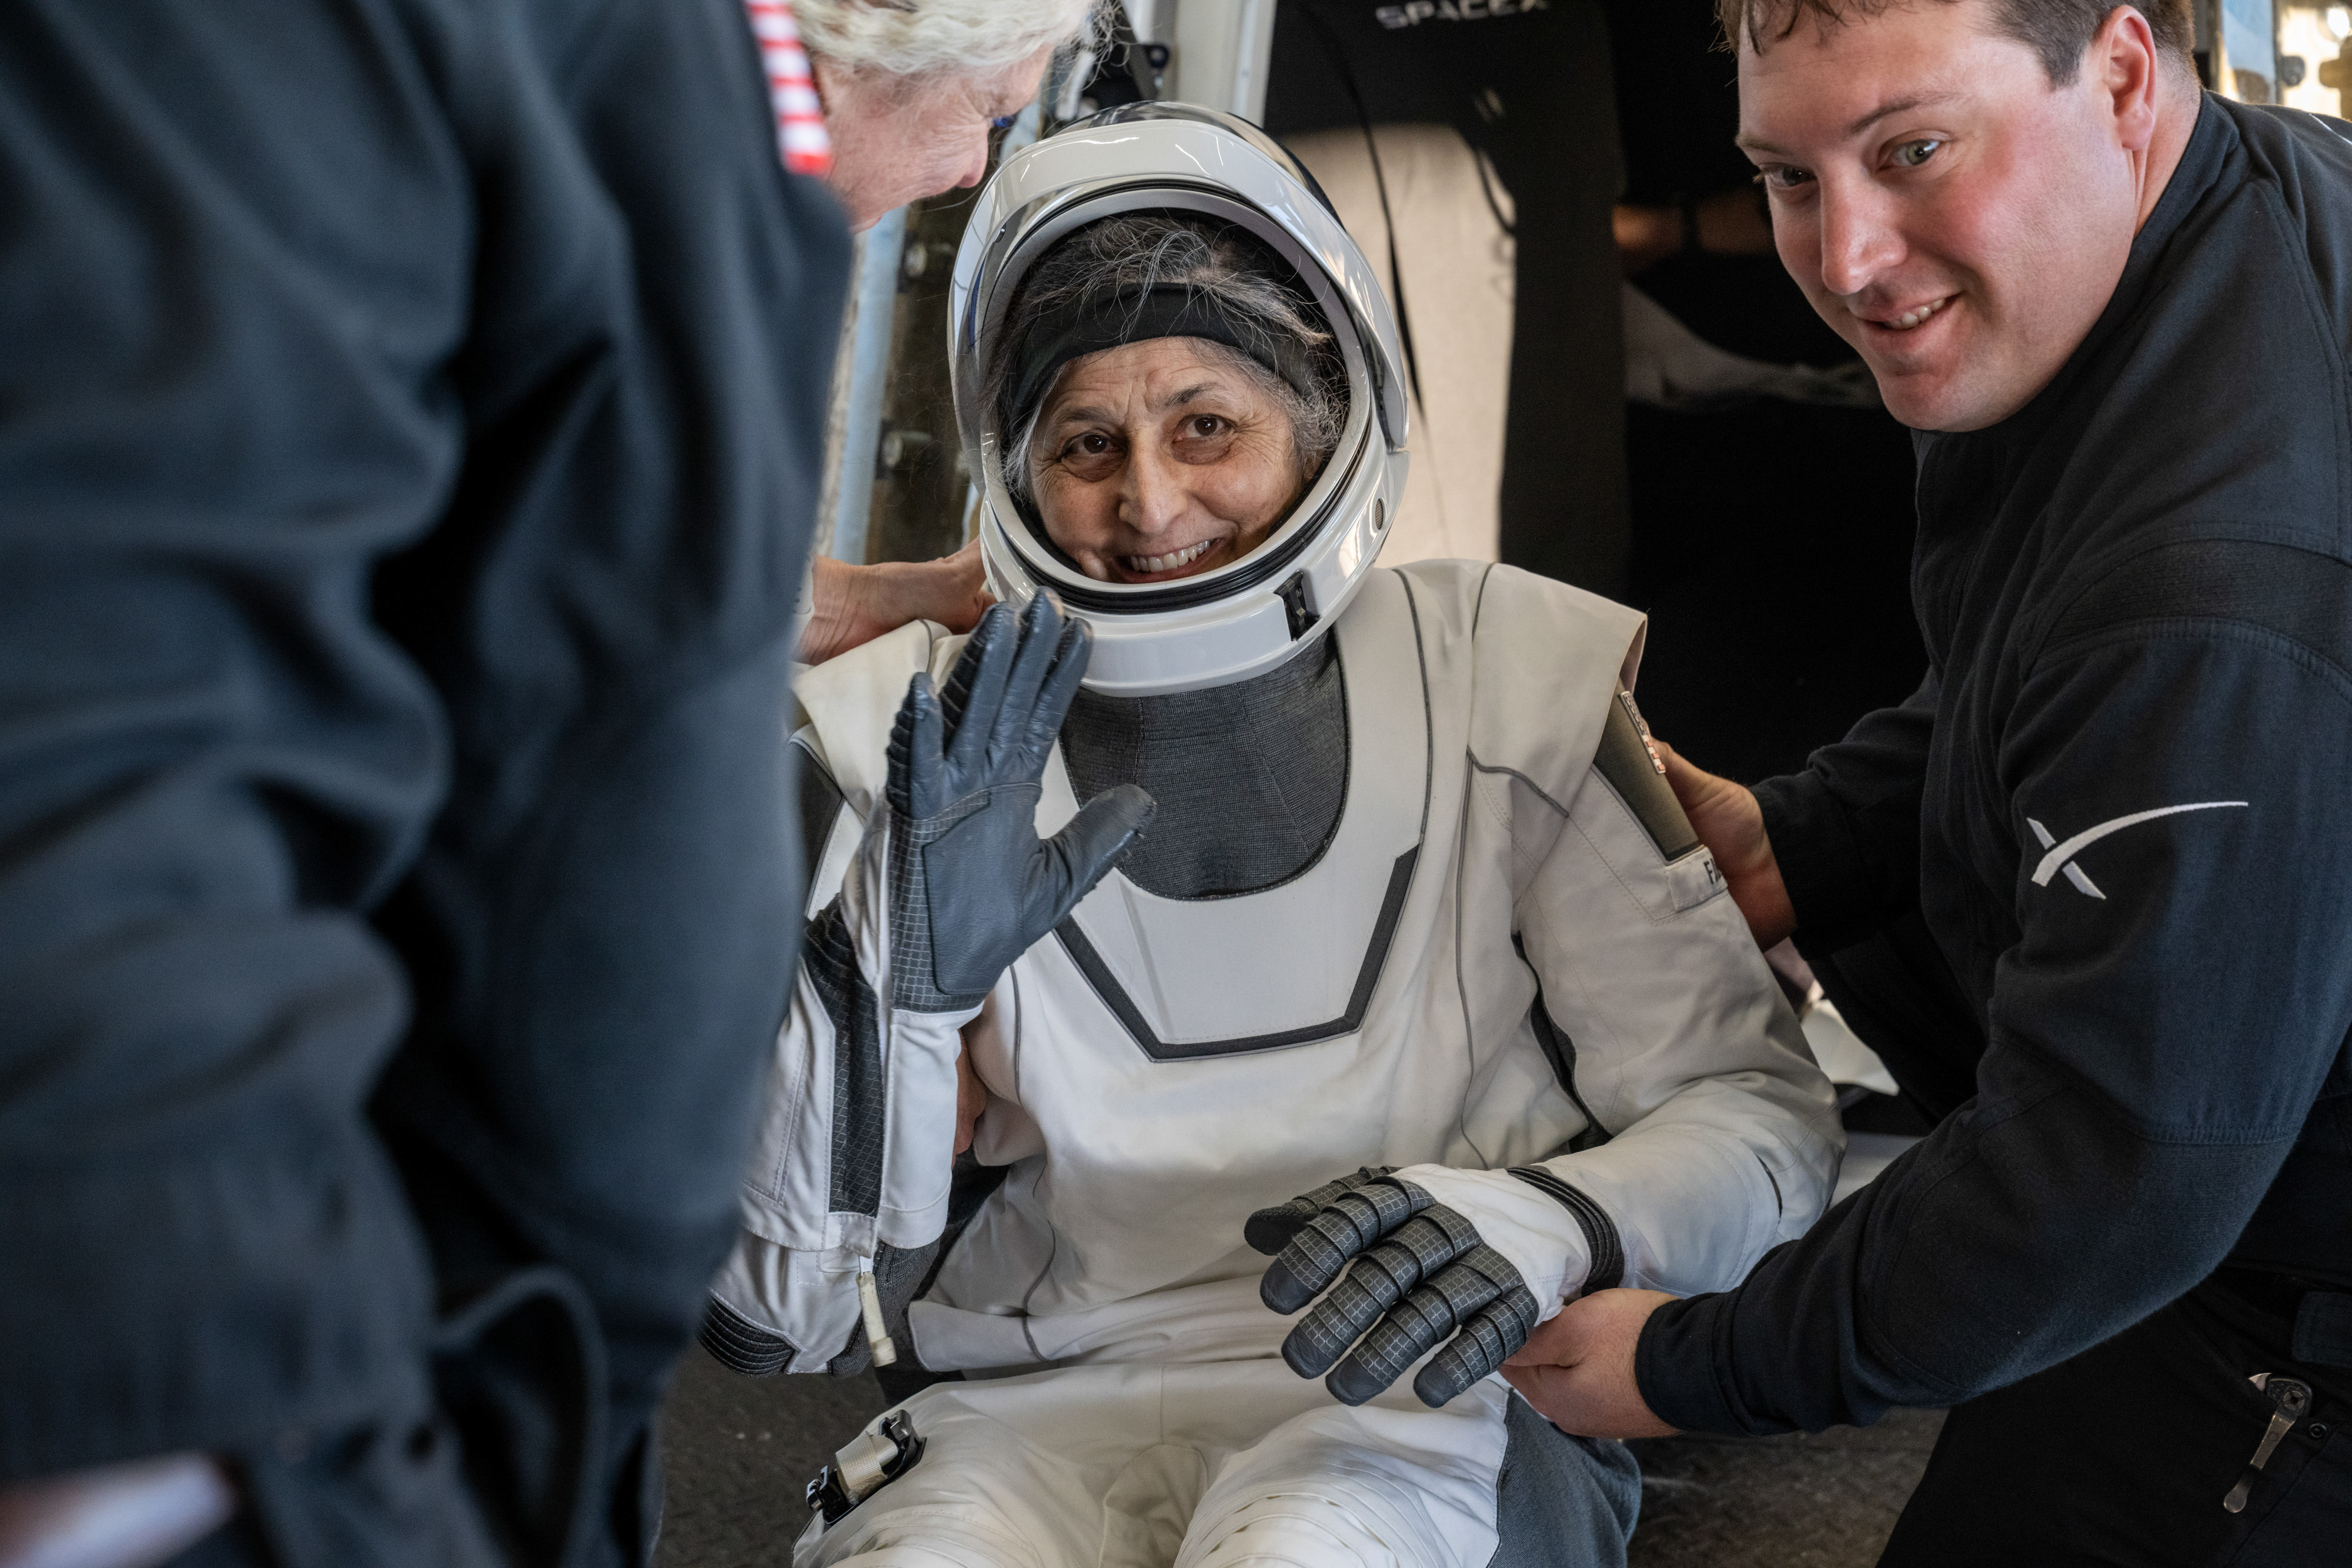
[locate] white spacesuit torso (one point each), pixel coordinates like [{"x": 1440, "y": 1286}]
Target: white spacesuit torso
[
  {"x": 1416, "y": 981},
  {"x": 1159, "y": 1068}
]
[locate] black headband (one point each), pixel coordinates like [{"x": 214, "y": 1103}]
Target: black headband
[{"x": 1093, "y": 323}]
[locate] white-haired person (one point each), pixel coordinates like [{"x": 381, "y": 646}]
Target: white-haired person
[
  {"x": 411, "y": 421},
  {"x": 908, "y": 94},
  {"x": 1226, "y": 896}
]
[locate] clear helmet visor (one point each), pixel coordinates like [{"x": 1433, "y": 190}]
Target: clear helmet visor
[{"x": 1247, "y": 613}]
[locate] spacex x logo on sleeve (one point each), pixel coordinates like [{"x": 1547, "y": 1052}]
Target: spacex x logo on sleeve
[{"x": 2062, "y": 856}]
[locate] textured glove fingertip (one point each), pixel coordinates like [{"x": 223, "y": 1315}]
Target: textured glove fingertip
[
  {"x": 1491, "y": 1336},
  {"x": 1303, "y": 1353},
  {"x": 1437, "y": 1383},
  {"x": 1269, "y": 1230},
  {"x": 1352, "y": 1383},
  {"x": 1282, "y": 1290},
  {"x": 1320, "y": 1339}
]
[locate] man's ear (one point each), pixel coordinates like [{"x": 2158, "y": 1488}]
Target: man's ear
[{"x": 2128, "y": 69}]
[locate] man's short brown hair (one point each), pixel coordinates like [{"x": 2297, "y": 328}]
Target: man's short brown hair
[{"x": 2057, "y": 30}]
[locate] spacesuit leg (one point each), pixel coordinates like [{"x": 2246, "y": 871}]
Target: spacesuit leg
[
  {"x": 1055, "y": 1470},
  {"x": 1213, "y": 1465},
  {"x": 1388, "y": 1482}
]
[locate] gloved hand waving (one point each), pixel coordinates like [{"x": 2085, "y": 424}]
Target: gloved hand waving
[
  {"x": 1425, "y": 1275},
  {"x": 972, "y": 885}
]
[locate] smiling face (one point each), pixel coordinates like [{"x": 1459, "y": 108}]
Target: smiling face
[
  {"x": 1162, "y": 460},
  {"x": 1958, "y": 219}
]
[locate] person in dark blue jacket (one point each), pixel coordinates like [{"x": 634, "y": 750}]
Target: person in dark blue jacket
[
  {"x": 411, "y": 419},
  {"x": 2090, "y": 889}
]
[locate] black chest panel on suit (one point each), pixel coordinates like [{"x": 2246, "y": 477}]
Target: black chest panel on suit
[{"x": 1250, "y": 778}]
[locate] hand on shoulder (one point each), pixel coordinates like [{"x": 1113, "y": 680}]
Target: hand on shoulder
[
  {"x": 1730, "y": 823},
  {"x": 852, "y": 606}
]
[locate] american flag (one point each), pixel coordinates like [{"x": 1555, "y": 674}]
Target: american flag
[{"x": 791, "y": 90}]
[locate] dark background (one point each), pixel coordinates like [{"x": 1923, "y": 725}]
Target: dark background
[{"x": 1771, "y": 542}]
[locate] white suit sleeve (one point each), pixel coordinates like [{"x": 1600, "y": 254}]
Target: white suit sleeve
[
  {"x": 1722, "y": 1137},
  {"x": 855, "y": 1152}
]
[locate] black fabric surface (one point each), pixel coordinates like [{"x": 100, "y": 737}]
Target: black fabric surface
[
  {"x": 410, "y": 425},
  {"x": 1230, "y": 820},
  {"x": 2124, "y": 1454},
  {"x": 1110, "y": 319},
  {"x": 1894, "y": 988},
  {"x": 829, "y": 957},
  {"x": 1771, "y": 546},
  {"x": 819, "y": 799},
  {"x": 2164, "y": 1080},
  {"x": 741, "y": 1345},
  {"x": 1677, "y": 101},
  {"x": 1770, "y": 540}
]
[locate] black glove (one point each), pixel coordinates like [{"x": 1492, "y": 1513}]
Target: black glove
[
  {"x": 972, "y": 886},
  {"x": 1430, "y": 1278}
]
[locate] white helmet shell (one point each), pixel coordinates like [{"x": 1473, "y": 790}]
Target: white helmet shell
[{"x": 1251, "y": 615}]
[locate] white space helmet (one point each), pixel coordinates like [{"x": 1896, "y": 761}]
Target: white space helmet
[{"x": 1250, "y": 614}]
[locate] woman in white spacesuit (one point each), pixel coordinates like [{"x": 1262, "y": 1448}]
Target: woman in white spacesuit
[{"x": 1402, "y": 912}]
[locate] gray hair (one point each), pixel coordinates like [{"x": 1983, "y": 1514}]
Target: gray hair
[
  {"x": 1125, "y": 257},
  {"x": 935, "y": 37}
]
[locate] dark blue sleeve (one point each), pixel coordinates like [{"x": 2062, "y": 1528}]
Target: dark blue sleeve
[
  {"x": 410, "y": 419},
  {"x": 221, "y": 398},
  {"x": 1845, "y": 830},
  {"x": 2179, "y": 988}
]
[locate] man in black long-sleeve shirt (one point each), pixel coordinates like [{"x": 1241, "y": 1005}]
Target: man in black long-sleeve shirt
[
  {"x": 2091, "y": 887},
  {"x": 410, "y": 425}
]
